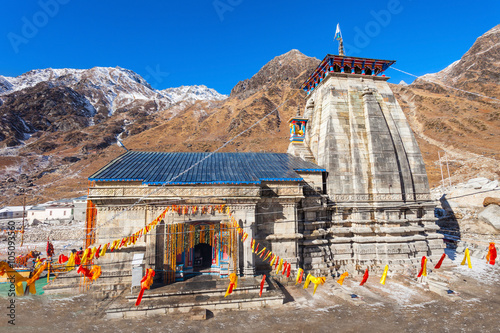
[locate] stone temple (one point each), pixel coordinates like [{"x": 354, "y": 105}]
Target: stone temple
[
  {"x": 351, "y": 192},
  {"x": 379, "y": 208}
]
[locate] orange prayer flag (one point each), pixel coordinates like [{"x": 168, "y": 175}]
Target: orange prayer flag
[
  {"x": 146, "y": 283},
  {"x": 342, "y": 277},
  {"x": 233, "y": 281}
]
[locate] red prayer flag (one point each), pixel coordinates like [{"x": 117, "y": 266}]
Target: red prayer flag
[
  {"x": 96, "y": 255},
  {"x": 285, "y": 266},
  {"x": 262, "y": 285},
  {"x": 438, "y": 265},
  {"x": 62, "y": 259},
  {"x": 365, "y": 277},
  {"x": 492, "y": 254},
  {"x": 422, "y": 266},
  {"x": 301, "y": 275},
  {"x": 77, "y": 259}
]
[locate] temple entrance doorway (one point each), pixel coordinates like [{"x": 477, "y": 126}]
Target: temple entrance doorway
[
  {"x": 202, "y": 257},
  {"x": 198, "y": 248}
]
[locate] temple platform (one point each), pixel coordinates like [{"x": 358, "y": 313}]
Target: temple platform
[{"x": 204, "y": 292}]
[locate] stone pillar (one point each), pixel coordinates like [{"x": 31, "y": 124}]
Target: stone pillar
[{"x": 248, "y": 227}]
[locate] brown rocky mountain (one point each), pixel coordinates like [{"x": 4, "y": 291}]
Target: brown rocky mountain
[
  {"x": 56, "y": 164},
  {"x": 202, "y": 128},
  {"x": 43, "y": 108},
  {"x": 464, "y": 126}
]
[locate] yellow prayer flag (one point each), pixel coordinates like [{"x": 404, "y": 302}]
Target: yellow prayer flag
[
  {"x": 384, "y": 275},
  {"x": 71, "y": 262},
  {"x": 467, "y": 258},
  {"x": 274, "y": 259},
  {"x": 279, "y": 266},
  {"x": 299, "y": 273},
  {"x": 308, "y": 280},
  {"x": 424, "y": 271},
  {"x": 103, "y": 250}
]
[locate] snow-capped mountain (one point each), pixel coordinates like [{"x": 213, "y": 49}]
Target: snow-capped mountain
[
  {"x": 61, "y": 99},
  {"x": 192, "y": 93},
  {"x": 444, "y": 75},
  {"x": 107, "y": 87}
]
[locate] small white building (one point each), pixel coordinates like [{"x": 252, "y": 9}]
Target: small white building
[
  {"x": 62, "y": 211},
  {"x": 36, "y": 213},
  {"x": 13, "y": 212},
  {"x": 59, "y": 211}
]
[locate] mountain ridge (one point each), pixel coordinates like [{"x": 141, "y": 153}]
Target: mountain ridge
[
  {"x": 463, "y": 126},
  {"x": 102, "y": 90}
]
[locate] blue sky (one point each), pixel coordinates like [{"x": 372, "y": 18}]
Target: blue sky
[{"x": 220, "y": 42}]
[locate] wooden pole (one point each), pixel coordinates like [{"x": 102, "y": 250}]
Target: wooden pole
[{"x": 24, "y": 212}]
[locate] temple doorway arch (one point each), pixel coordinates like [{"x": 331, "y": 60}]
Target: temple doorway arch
[{"x": 203, "y": 256}]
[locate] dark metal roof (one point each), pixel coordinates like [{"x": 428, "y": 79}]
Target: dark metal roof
[{"x": 156, "y": 168}]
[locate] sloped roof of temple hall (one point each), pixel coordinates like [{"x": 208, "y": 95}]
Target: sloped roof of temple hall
[{"x": 155, "y": 168}]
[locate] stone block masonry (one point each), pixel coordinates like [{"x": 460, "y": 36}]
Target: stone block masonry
[{"x": 379, "y": 208}]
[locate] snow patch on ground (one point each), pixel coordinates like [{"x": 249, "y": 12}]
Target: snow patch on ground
[{"x": 480, "y": 271}]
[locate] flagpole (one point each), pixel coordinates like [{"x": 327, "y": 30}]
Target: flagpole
[{"x": 341, "y": 44}]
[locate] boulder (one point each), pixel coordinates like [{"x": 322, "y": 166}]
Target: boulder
[
  {"x": 477, "y": 183},
  {"x": 491, "y": 215},
  {"x": 490, "y": 186},
  {"x": 491, "y": 201}
]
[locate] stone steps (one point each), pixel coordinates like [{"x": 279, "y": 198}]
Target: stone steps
[
  {"x": 108, "y": 284},
  {"x": 161, "y": 303}
]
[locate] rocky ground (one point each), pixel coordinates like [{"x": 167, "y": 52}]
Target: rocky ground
[
  {"x": 63, "y": 235},
  {"x": 401, "y": 305},
  {"x": 462, "y": 215}
]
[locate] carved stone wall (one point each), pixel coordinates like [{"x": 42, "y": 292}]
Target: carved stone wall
[{"x": 379, "y": 209}]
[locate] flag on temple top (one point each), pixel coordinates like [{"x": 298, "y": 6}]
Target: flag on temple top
[{"x": 338, "y": 36}]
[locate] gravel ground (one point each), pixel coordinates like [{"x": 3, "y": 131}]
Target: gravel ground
[{"x": 402, "y": 305}]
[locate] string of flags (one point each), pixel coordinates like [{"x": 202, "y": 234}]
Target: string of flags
[{"x": 85, "y": 258}]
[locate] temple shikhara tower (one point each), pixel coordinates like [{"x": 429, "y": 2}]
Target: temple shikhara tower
[{"x": 379, "y": 207}]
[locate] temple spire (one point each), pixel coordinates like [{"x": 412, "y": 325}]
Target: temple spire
[{"x": 338, "y": 36}]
